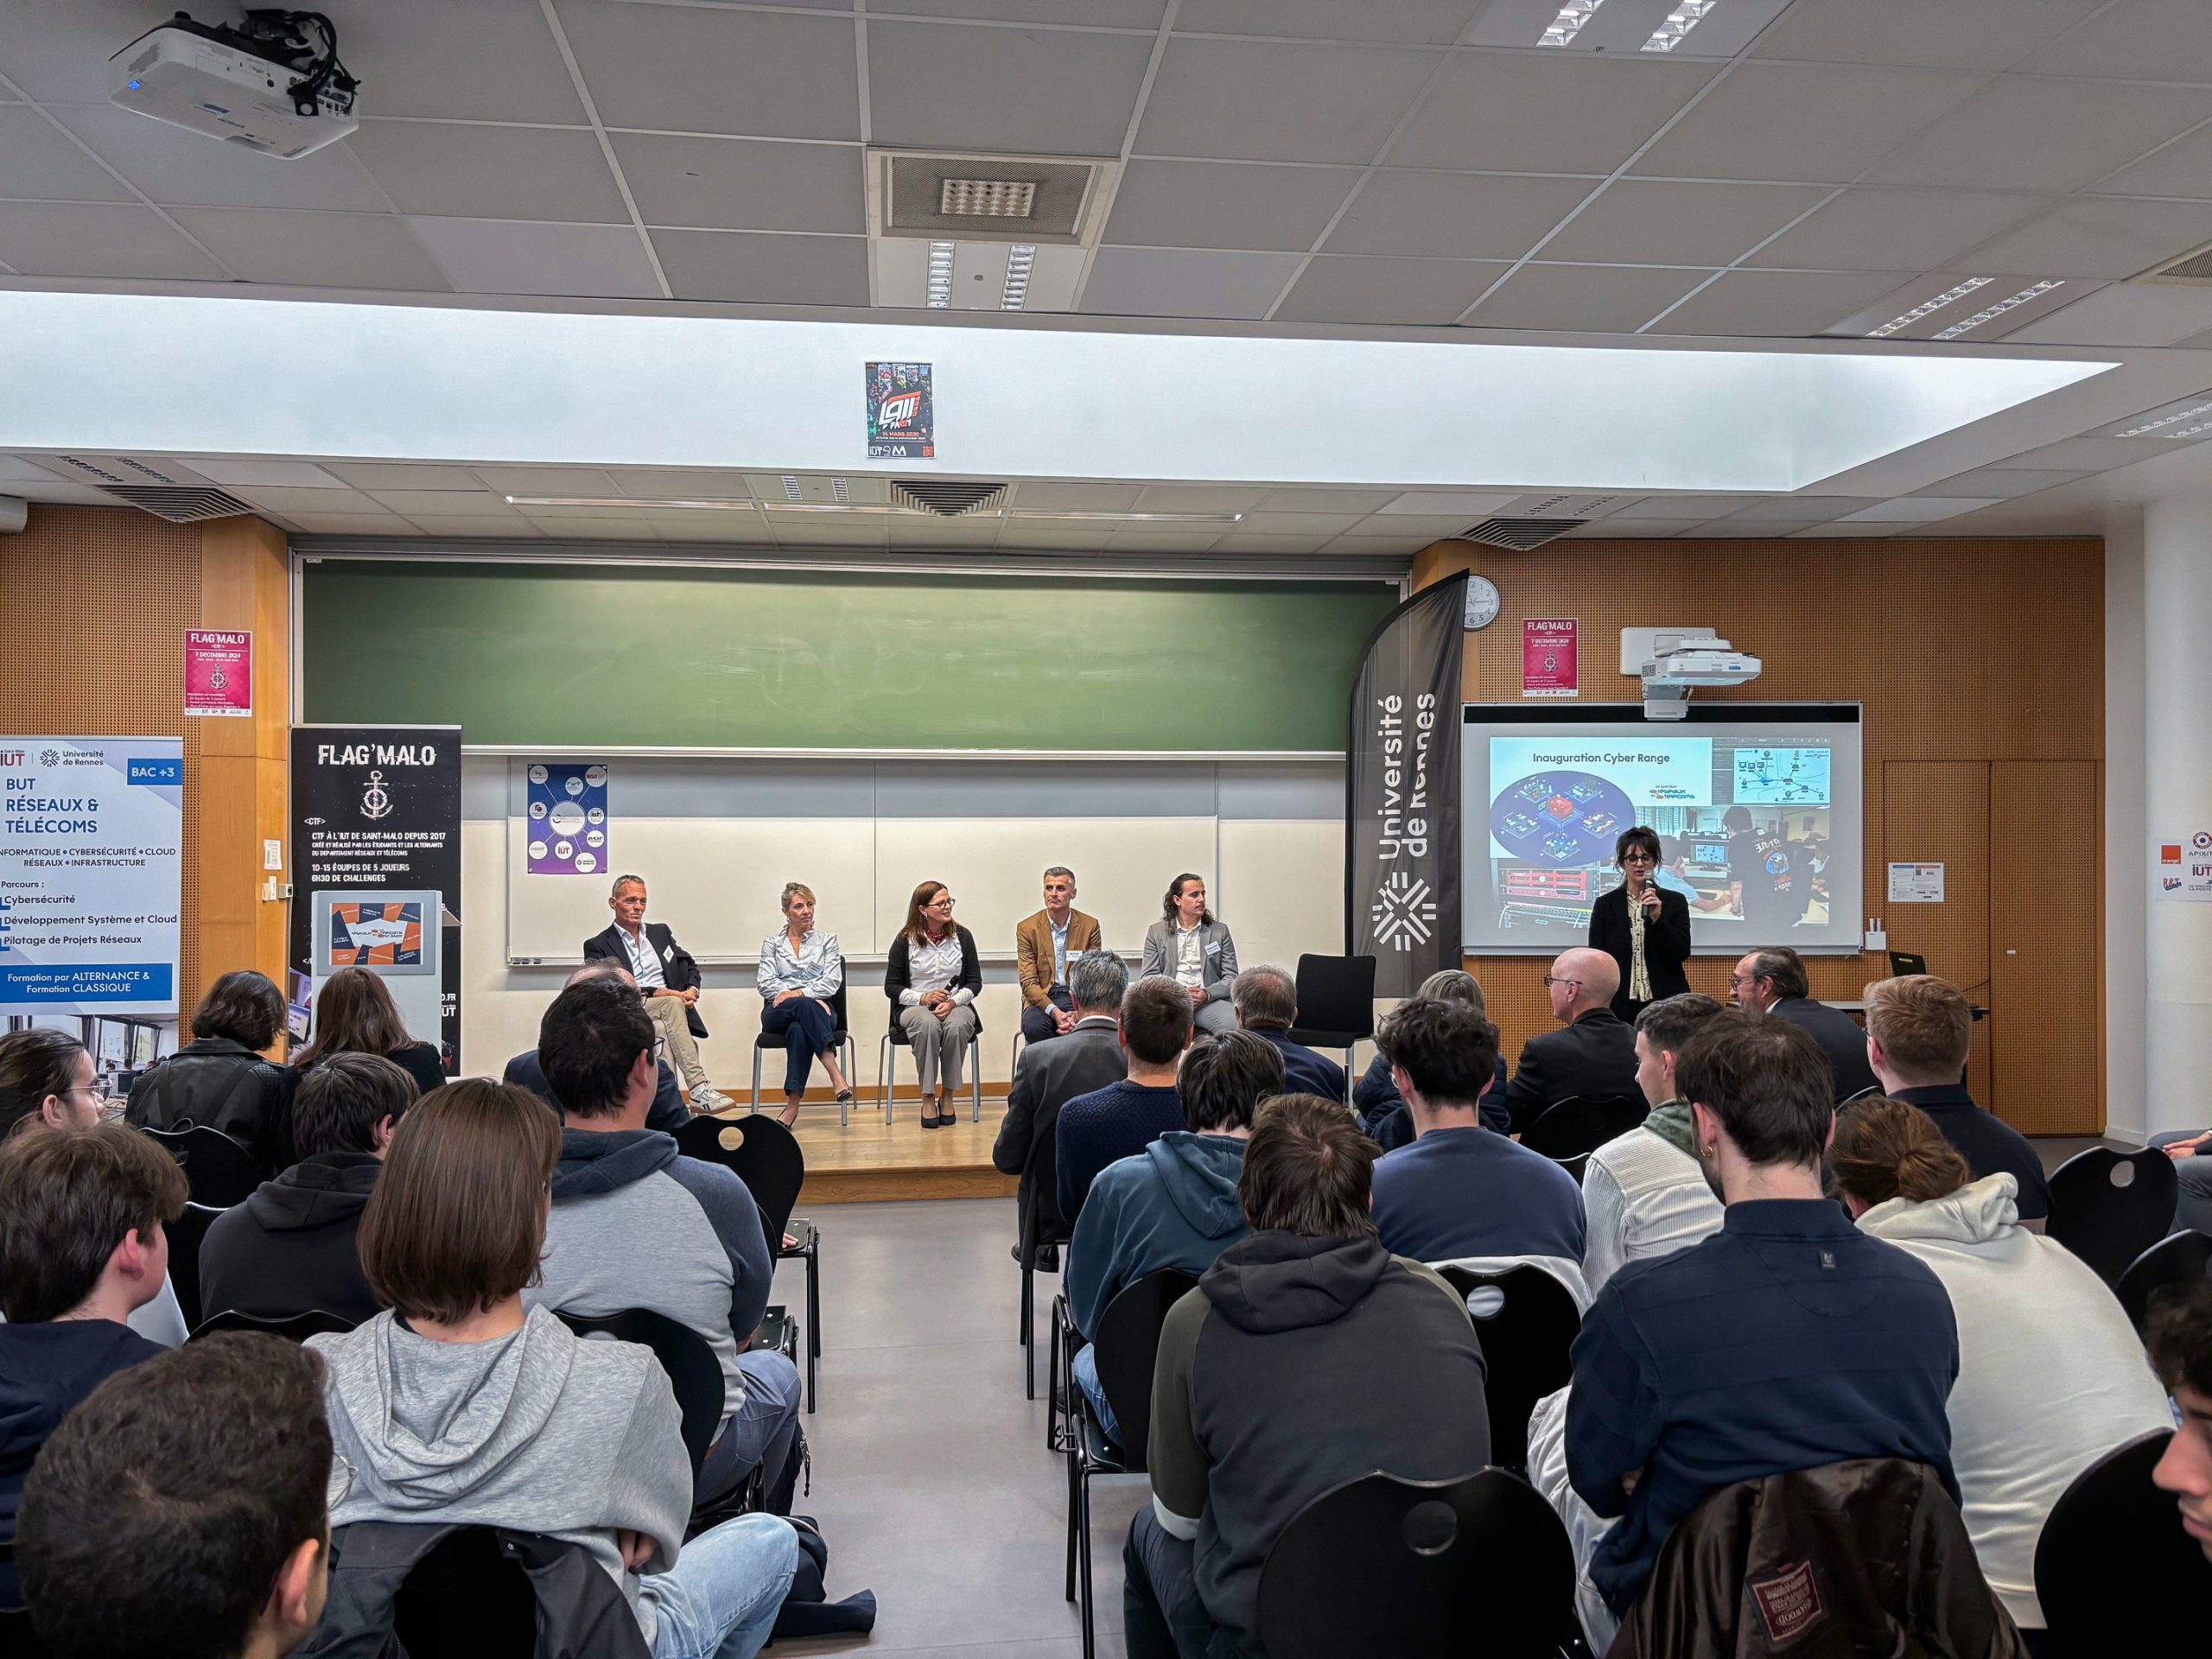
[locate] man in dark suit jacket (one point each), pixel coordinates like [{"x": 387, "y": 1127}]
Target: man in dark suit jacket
[
  {"x": 1267, "y": 1006},
  {"x": 1773, "y": 982},
  {"x": 664, "y": 971},
  {"x": 1593, "y": 1059},
  {"x": 667, "y": 1113},
  {"x": 1049, "y": 1075}
]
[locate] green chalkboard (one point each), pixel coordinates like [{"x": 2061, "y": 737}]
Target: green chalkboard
[{"x": 576, "y": 656}]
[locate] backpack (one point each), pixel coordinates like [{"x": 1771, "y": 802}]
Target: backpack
[{"x": 807, "y": 1610}]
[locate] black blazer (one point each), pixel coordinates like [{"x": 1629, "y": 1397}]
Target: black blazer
[
  {"x": 678, "y": 966},
  {"x": 668, "y": 1113},
  {"x": 1048, "y": 1076},
  {"x": 897, "y": 975},
  {"x": 1666, "y": 943},
  {"x": 1595, "y": 1057},
  {"x": 1842, "y": 1039}
]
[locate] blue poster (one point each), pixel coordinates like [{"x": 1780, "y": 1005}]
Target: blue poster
[{"x": 567, "y": 819}]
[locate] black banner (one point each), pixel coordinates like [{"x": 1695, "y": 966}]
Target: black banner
[
  {"x": 375, "y": 867},
  {"x": 1402, "y": 793}
]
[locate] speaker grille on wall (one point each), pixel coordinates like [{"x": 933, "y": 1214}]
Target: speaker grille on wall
[
  {"x": 947, "y": 498},
  {"x": 1519, "y": 534}
]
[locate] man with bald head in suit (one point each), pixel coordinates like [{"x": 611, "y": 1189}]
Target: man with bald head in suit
[{"x": 1594, "y": 1057}]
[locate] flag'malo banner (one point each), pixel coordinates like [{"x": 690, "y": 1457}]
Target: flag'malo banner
[{"x": 1401, "y": 797}]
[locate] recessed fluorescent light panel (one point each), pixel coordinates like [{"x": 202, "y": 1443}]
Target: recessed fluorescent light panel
[
  {"x": 2011, "y": 302},
  {"x": 639, "y": 504},
  {"x": 1018, "y": 259},
  {"x": 2184, "y": 417},
  {"x": 1928, "y": 308},
  {"x": 988, "y": 198},
  {"x": 1686, "y": 16},
  {"x": 941, "y": 276},
  {"x": 1568, "y": 24}
]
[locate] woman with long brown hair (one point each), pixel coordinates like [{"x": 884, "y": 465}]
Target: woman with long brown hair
[
  {"x": 355, "y": 1014},
  {"x": 1191, "y": 947},
  {"x": 931, "y": 980}
]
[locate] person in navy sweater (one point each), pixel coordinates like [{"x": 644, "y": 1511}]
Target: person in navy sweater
[
  {"x": 1123, "y": 1119},
  {"x": 1788, "y": 1340},
  {"x": 1266, "y": 1000}
]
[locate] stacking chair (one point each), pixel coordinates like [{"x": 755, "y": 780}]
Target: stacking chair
[
  {"x": 693, "y": 1371},
  {"x": 186, "y": 1234},
  {"x": 2109, "y": 1207},
  {"x": 297, "y": 1327},
  {"x": 2173, "y": 1263},
  {"x": 1420, "y": 1569},
  {"x": 2114, "y": 1571},
  {"x": 1037, "y": 1235},
  {"x": 848, "y": 1051},
  {"x": 887, "y": 1068},
  {"x": 219, "y": 1172},
  {"x": 1570, "y": 1128},
  {"x": 765, "y": 1156},
  {"x": 1336, "y": 1005},
  {"x": 18, "y": 1639},
  {"x": 1528, "y": 1323},
  {"x": 470, "y": 1596}
]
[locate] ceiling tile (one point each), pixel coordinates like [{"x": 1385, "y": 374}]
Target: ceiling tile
[
  {"x": 1084, "y": 498},
  {"x": 1237, "y": 541},
  {"x": 1061, "y": 92},
  {"x": 1432, "y": 292},
  {"x": 1956, "y": 33},
  {"x": 1500, "y": 111},
  {"x": 486, "y": 60},
  {"x": 489, "y": 256},
  {"x": 773, "y": 75},
  {"x": 1740, "y": 530},
  {"x": 1179, "y": 283},
  {"x": 1822, "y": 123},
  {"x": 1413, "y": 22},
  {"x": 1786, "y": 302},
  {"x": 290, "y": 500},
  {"x": 546, "y": 480},
  {"x": 2100, "y": 235},
  {"x": 679, "y": 483},
  {"x": 1357, "y": 501},
  {"x": 456, "y": 171},
  {"x": 473, "y": 524},
  {"x": 1815, "y": 508},
  {"x": 2182, "y": 169},
  {"x": 442, "y": 504},
  {"x": 593, "y": 526},
  {"x": 1623, "y": 529},
  {"x": 48, "y": 238},
  {"x": 1192, "y": 539},
  {"x": 349, "y": 523},
  {"x": 1268, "y": 101},
  {"x": 1444, "y": 503},
  {"x": 57, "y": 50},
  {"x": 2153, "y": 39},
  {"x": 1198, "y": 498},
  {"x": 1379, "y": 546},
  {"x": 245, "y": 472},
  {"x": 1317, "y": 526},
  {"x": 1646, "y": 222},
  {"x": 716, "y": 526},
  {"x": 1096, "y": 14},
  {"x": 2045, "y": 134},
  {"x": 741, "y": 184},
  {"x": 1918, "y": 509},
  {"x": 1051, "y": 538},
  {"x": 1897, "y": 229},
  {"x": 2002, "y": 483},
  {"x": 1455, "y": 216},
  {"x": 177, "y": 169},
  {"x": 1841, "y": 529},
  {"x": 1691, "y": 509},
  {"x": 1428, "y": 526},
  {"x": 2089, "y": 454},
  {"x": 762, "y": 269},
  {"x": 829, "y": 530},
  {"x": 304, "y": 250},
  {"x": 37, "y": 162},
  {"x": 1226, "y": 205},
  {"x": 402, "y": 475},
  {"x": 1587, "y": 299}
]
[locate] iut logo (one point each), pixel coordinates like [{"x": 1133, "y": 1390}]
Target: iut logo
[{"x": 11, "y": 757}]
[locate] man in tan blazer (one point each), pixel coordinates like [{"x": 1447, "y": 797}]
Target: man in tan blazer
[{"x": 1043, "y": 945}]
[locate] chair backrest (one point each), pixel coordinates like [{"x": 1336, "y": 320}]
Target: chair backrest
[
  {"x": 1040, "y": 1171},
  {"x": 219, "y": 1171},
  {"x": 294, "y": 1327},
  {"x": 466, "y": 1600},
  {"x": 2109, "y": 1207},
  {"x": 1127, "y": 1339},
  {"x": 766, "y": 1157},
  {"x": 1575, "y": 1125},
  {"x": 2114, "y": 1571},
  {"x": 1419, "y": 1570},
  {"x": 1336, "y": 1000},
  {"x": 693, "y": 1371},
  {"x": 1527, "y": 1327},
  {"x": 2173, "y": 1263},
  {"x": 1872, "y": 1091},
  {"x": 186, "y": 1234}
]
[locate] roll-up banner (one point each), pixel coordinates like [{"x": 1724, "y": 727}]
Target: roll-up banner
[
  {"x": 1402, "y": 797},
  {"x": 376, "y": 869}
]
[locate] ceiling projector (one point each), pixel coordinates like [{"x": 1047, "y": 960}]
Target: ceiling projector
[
  {"x": 1681, "y": 664},
  {"x": 272, "y": 84}
]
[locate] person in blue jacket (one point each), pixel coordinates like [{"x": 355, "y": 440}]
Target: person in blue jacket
[{"x": 1382, "y": 1109}]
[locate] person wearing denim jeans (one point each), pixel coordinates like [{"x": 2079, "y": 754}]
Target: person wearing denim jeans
[{"x": 721, "y": 1599}]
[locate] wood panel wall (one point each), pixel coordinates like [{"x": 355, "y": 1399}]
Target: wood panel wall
[{"x": 1981, "y": 664}]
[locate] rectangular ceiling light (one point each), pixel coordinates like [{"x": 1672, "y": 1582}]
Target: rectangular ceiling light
[
  {"x": 638, "y": 503},
  {"x": 941, "y": 276},
  {"x": 1686, "y": 16},
  {"x": 1130, "y": 517},
  {"x": 2144, "y": 429},
  {"x": 1928, "y": 306},
  {"x": 1968, "y": 325},
  {"x": 1565, "y": 26},
  {"x": 1018, "y": 259},
  {"x": 988, "y": 198}
]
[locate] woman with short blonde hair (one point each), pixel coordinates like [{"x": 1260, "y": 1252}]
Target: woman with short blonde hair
[{"x": 801, "y": 969}]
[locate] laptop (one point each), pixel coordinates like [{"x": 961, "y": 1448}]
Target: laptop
[{"x": 1906, "y": 962}]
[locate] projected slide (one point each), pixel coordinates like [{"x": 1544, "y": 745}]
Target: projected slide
[{"x": 1758, "y": 815}]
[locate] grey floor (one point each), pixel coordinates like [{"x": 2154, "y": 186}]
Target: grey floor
[{"x": 930, "y": 1477}]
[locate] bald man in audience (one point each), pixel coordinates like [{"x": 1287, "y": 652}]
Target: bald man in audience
[{"x": 1594, "y": 1057}]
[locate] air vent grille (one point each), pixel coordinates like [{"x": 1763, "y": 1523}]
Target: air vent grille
[
  {"x": 180, "y": 504},
  {"x": 1519, "y": 534},
  {"x": 2193, "y": 267},
  {"x": 1055, "y": 201},
  {"x": 947, "y": 498},
  {"x": 1560, "y": 503}
]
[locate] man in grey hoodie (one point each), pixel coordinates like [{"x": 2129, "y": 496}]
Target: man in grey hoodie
[{"x": 1174, "y": 1204}]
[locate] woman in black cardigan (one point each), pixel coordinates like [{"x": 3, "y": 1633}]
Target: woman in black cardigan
[
  {"x": 1643, "y": 927},
  {"x": 931, "y": 980}
]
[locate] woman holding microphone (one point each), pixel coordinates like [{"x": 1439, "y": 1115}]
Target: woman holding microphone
[
  {"x": 1643, "y": 927},
  {"x": 800, "y": 971}
]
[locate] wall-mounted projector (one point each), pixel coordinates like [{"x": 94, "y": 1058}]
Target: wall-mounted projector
[
  {"x": 1680, "y": 663},
  {"x": 271, "y": 84}
]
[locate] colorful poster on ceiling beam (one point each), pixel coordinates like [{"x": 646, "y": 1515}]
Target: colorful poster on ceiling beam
[
  {"x": 901, "y": 413},
  {"x": 567, "y": 819}
]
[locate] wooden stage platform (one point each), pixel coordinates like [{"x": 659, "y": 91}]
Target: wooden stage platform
[{"x": 867, "y": 1162}]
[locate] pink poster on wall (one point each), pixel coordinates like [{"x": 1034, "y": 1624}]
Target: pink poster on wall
[
  {"x": 1548, "y": 667},
  {"x": 218, "y": 672}
]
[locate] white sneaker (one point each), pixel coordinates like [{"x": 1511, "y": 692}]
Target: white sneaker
[{"x": 710, "y": 1100}]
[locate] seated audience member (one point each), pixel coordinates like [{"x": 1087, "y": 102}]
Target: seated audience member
[
  {"x": 1048, "y": 1076},
  {"x": 634, "y": 1225},
  {"x": 801, "y": 970},
  {"x": 1266, "y": 1000},
  {"x": 1174, "y": 1204},
  {"x": 1045, "y": 946},
  {"x": 81, "y": 1248},
  {"x": 2050, "y": 1375},
  {"x": 1644, "y": 1192},
  {"x": 218, "y": 1079},
  {"x": 2181, "y": 1349},
  {"x": 668, "y": 981},
  {"x": 1190, "y": 947},
  {"x": 179, "y": 1512},
  {"x": 1460, "y": 1193},
  {"x": 2192, "y": 1150},
  {"x": 1917, "y": 1031},
  {"x": 458, "y": 1403},
  {"x": 668, "y": 1113},
  {"x": 1122, "y": 1119},
  {"x": 289, "y": 1249},
  {"x": 1773, "y": 982},
  {"x": 1787, "y": 1340},
  {"x": 1593, "y": 1059},
  {"x": 1382, "y": 1110},
  {"x": 1265, "y": 1396},
  {"x": 932, "y": 976},
  {"x": 355, "y": 1014}
]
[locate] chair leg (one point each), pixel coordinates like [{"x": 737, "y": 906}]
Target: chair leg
[
  {"x": 1028, "y": 1342},
  {"x": 1075, "y": 1468},
  {"x": 1083, "y": 1566},
  {"x": 887, "y": 1075},
  {"x": 813, "y": 1315},
  {"x": 756, "y": 1076},
  {"x": 1051, "y": 1376},
  {"x": 852, "y": 1066},
  {"x": 976, "y": 1078}
]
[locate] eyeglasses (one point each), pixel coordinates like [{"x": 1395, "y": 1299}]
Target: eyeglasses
[
  {"x": 1550, "y": 981},
  {"x": 1637, "y": 858}
]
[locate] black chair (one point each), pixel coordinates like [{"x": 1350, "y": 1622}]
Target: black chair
[
  {"x": 1336, "y": 1005},
  {"x": 1527, "y": 1322},
  {"x": 219, "y": 1172},
  {"x": 1567, "y": 1128},
  {"x": 887, "y": 1067},
  {"x": 693, "y": 1371},
  {"x": 1038, "y": 1235},
  {"x": 2114, "y": 1571},
  {"x": 470, "y": 1596},
  {"x": 764, "y": 1043},
  {"x": 765, "y": 1156},
  {"x": 2173, "y": 1263},
  {"x": 1419, "y": 1569},
  {"x": 18, "y": 1638},
  {"x": 1872, "y": 1091},
  {"x": 186, "y": 1234},
  {"x": 1128, "y": 1341},
  {"x": 2109, "y": 1207},
  {"x": 297, "y": 1327}
]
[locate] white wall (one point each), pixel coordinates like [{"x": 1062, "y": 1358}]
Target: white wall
[{"x": 2128, "y": 831}]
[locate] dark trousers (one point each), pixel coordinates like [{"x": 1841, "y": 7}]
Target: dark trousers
[
  {"x": 807, "y": 1031},
  {"x": 1038, "y": 1025},
  {"x": 1161, "y": 1615}
]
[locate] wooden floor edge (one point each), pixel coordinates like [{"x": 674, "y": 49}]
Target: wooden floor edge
[{"x": 895, "y": 1186}]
